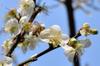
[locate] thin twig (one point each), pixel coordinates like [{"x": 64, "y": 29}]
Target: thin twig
[{"x": 34, "y": 58}]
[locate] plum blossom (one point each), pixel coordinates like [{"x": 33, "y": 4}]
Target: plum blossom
[
  {"x": 32, "y": 38},
  {"x": 7, "y": 45},
  {"x": 53, "y": 35},
  {"x": 73, "y": 45},
  {"x": 87, "y": 30},
  {"x": 30, "y": 42},
  {"x": 26, "y": 7},
  {"x": 12, "y": 14},
  {"x": 12, "y": 26},
  {"x": 6, "y": 61}
]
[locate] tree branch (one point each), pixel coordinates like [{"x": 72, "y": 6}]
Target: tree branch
[
  {"x": 76, "y": 60},
  {"x": 34, "y": 1},
  {"x": 34, "y": 58},
  {"x": 72, "y": 27},
  {"x": 20, "y": 36},
  {"x": 70, "y": 12}
]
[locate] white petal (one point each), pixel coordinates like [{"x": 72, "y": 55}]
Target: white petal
[
  {"x": 65, "y": 37},
  {"x": 6, "y": 45},
  {"x": 24, "y": 19},
  {"x": 45, "y": 34},
  {"x": 56, "y": 28},
  {"x": 8, "y": 60},
  {"x": 5, "y": 64},
  {"x": 12, "y": 24},
  {"x": 30, "y": 2},
  {"x": 54, "y": 32},
  {"x": 45, "y": 40},
  {"x": 70, "y": 52},
  {"x": 84, "y": 32},
  {"x": 65, "y": 46},
  {"x": 24, "y": 48},
  {"x": 33, "y": 43},
  {"x": 86, "y": 43},
  {"x": 26, "y": 11}
]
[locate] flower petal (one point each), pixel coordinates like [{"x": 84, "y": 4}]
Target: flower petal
[
  {"x": 8, "y": 60},
  {"x": 86, "y": 43},
  {"x": 26, "y": 7},
  {"x": 50, "y": 33},
  {"x": 56, "y": 28},
  {"x": 12, "y": 26},
  {"x": 24, "y": 19},
  {"x": 65, "y": 37},
  {"x": 70, "y": 52}
]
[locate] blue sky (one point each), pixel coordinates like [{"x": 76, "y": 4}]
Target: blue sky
[{"x": 57, "y": 16}]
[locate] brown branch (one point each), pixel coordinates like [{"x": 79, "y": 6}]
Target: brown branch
[
  {"x": 34, "y": 58},
  {"x": 76, "y": 60},
  {"x": 72, "y": 27},
  {"x": 16, "y": 40},
  {"x": 34, "y": 1},
  {"x": 20, "y": 36},
  {"x": 38, "y": 9},
  {"x": 70, "y": 12}
]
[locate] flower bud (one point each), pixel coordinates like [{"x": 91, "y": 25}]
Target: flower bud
[
  {"x": 86, "y": 25},
  {"x": 94, "y": 31}
]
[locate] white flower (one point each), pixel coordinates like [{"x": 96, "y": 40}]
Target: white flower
[
  {"x": 52, "y": 35},
  {"x": 7, "y": 61},
  {"x": 12, "y": 26},
  {"x": 26, "y": 7},
  {"x": 70, "y": 52},
  {"x": 71, "y": 46},
  {"x": 86, "y": 30},
  {"x": 7, "y": 45},
  {"x": 5, "y": 64},
  {"x": 30, "y": 42},
  {"x": 32, "y": 37},
  {"x": 12, "y": 14},
  {"x": 24, "y": 23}
]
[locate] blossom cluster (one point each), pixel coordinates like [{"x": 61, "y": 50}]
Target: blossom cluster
[{"x": 18, "y": 19}]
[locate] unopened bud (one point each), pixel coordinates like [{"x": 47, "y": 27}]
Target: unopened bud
[
  {"x": 86, "y": 25},
  {"x": 94, "y": 31}
]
